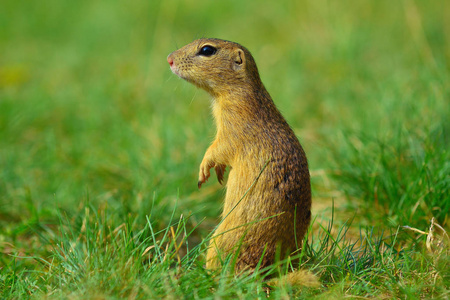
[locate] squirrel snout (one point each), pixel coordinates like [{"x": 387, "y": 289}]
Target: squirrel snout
[{"x": 170, "y": 60}]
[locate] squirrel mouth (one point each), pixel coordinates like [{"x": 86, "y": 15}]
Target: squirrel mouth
[
  {"x": 177, "y": 72},
  {"x": 174, "y": 70}
]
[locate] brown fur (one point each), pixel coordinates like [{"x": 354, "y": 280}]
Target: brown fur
[{"x": 252, "y": 135}]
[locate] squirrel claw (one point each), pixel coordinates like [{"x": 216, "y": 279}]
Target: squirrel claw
[
  {"x": 220, "y": 170},
  {"x": 201, "y": 181}
]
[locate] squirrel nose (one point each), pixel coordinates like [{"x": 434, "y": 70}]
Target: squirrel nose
[{"x": 170, "y": 60}]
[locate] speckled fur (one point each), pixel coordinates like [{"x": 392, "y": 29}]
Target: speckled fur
[{"x": 250, "y": 133}]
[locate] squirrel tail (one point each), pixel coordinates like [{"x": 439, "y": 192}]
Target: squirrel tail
[{"x": 302, "y": 278}]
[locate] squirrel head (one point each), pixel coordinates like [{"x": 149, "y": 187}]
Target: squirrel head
[{"x": 215, "y": 65}]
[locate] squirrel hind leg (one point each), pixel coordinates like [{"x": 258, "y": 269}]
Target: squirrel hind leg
[{"x": 300, "y": 277}]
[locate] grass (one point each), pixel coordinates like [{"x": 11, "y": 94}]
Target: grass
[
  {"x": 91, "y": 258},
  {"x": 100, "y": 145}
]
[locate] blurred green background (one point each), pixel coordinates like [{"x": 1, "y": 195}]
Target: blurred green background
[
  {"x": 90, "y": 112},
  {"x": 96, "y": 132}
]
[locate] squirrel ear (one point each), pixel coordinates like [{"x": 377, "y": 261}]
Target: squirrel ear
[{"x": 238, "y": 59}]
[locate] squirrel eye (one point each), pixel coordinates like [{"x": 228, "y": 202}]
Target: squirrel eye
[{"x": 207, "y": 51}]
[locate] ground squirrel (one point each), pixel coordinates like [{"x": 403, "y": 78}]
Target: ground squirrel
[{"x": 265, "y": 158}]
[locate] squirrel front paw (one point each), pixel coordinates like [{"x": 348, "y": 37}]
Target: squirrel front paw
[
  {"x": 220, "y": 170},
  {"x": 204, "y": 174}
]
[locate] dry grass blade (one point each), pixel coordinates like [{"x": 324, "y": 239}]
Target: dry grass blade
[{"x": 437, "y": 240}]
